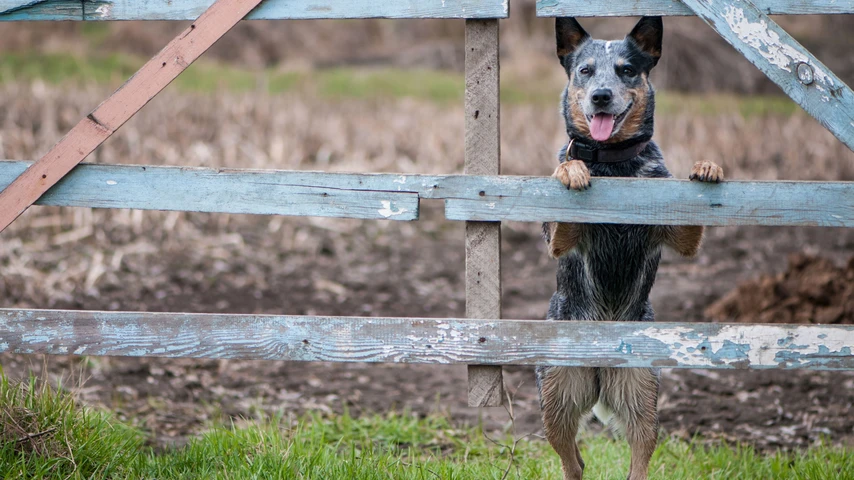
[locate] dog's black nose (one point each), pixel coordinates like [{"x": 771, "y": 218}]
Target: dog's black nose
[{"x": 601, "y": 97}]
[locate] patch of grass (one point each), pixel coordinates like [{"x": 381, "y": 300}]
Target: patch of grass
[
  {"x": 281, "y": 82},
  {"x": 719, "y": 103},
  {"x": 397, "y": 446},
  {"x": 210, "y": 77},
  {"x": 362, "y": 83},
  {"x": 434, "y": 85},
  {"x": 113, "y": 70},
  {"x": 95, "y": 32},
  {"x": 675, "y": 459},
  {"x": 57, "y": 68},
  {"x": 46, "y": 435}
]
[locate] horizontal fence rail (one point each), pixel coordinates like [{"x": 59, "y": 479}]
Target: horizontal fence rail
[
  {"x": 427, "y": 340},
  {"x": 467, "y": 197},
  {"x": 624, "y": 8},
  {"x": 101, "y": 10}
]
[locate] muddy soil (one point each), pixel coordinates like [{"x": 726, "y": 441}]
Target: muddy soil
[
  {"x": 811, "y": 290},
  {"x": 391, "y": 269}
]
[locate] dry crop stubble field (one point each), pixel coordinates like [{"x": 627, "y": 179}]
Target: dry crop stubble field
[{"x": 162, "y": 261}]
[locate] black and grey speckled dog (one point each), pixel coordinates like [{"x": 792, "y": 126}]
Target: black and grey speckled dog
[{"x": 605, "y": 272}]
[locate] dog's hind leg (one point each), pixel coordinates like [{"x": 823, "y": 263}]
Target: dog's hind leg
[
  {"x": 566, "y": 395},
  {"x": 632, "y": 395}
]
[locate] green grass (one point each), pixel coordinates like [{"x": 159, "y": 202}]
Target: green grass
[
  {"x": 78, "y": 443},
  {"x": 56, "y": 68},
  {"x": 716, "y": 104},
  {"x": 114, "y": 70},
  {"x": 207, "y": 77},
  {"x": 338, "y": 83},
  {"x": 45, "y": 435},
  {"x": 434, "y": 85}
]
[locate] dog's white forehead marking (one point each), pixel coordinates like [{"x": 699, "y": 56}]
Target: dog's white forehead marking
[{"x": 608, "y": 48}]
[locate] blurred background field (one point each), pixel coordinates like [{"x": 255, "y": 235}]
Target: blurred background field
[{"x": 386, "y": 96}]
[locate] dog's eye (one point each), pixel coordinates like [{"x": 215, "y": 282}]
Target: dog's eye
[
  {"x": 629, "y": 71},
  {"x": 584, "y": 71}
]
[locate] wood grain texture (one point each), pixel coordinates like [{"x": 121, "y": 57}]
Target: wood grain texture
[
  {"x": 779, "y": 56},
  {"x": 482, "y": 145},
  {"x": 623, "y": 8},
  {"x": 483, "y": 157},
  {"x": 427, "y": 340},
  {"x": 209, "y": 190},
  {"x": 101, "y": 10},
  {"x": 535, "y": 199},
  {"x": 120, "y": 106},
  {"x": 660, "y": 202},
  {"x": 483, "y": 270}
]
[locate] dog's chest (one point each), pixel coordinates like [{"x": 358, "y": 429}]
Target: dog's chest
[
  {"x": 615, "y": 250},
  {"x": 613, "y": 268}
]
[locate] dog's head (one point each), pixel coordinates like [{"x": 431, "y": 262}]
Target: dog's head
[{"x": 609, "y": 98}]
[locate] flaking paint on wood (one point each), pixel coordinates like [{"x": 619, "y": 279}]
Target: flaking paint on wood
[
  {"x": 425, "y": 340},
  {"x": 100, "y": 10},
  {"x": 536, "y": 199},
  {"x": 818, "y": 91},
  {"x": 623, "y": 8}
]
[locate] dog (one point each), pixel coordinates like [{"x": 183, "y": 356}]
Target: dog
[{"x": 605, "y": 272}]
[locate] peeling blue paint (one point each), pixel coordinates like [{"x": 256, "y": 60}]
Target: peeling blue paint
[
  {"x": 623, "y": 8},
  {"x": 405, "y": 340},
  {"x": 34, "y": 338},
  {"x": 777, "y": 54},
  {"x": 731, "y": 351},
  {"x": 377, "y": 196},
  {"x": 269, "y": 10}
]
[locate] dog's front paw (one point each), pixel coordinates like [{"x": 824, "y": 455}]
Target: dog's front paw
[
  {"x": 706, "y": 171},
  {"x": 573, "y": 174}
]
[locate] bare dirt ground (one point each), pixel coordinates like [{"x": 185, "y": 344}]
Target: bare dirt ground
[
  {"x": 811, "y": 290},
  {"x": 419, "y": 276},
  {"x": 160, "y": 261}
]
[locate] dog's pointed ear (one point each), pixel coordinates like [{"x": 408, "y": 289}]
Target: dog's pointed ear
[
  {"x": 568, "y": 35},
  {"x": 647, "y": 35}
]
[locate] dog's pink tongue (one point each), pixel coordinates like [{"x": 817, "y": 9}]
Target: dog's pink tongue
[{"x": 601, "y": 126}]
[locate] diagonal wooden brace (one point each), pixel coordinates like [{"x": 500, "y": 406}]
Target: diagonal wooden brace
[
  {"x": 93, "y": 130},
  {"x": 785, "y": 61}
]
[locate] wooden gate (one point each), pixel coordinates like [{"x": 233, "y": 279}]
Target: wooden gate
[{"x": 480, "y": 197}]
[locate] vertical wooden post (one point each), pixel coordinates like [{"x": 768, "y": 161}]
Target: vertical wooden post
[{"x": 483, "y": 239}]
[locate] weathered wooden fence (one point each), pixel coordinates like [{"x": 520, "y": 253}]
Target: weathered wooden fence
[{"x": 481, "y": 197}]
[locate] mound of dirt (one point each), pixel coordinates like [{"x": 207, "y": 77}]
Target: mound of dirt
[{"x": 811, "y": 290}]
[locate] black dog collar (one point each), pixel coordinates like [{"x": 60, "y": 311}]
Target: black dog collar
[{"x": 579, "y": 151}]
